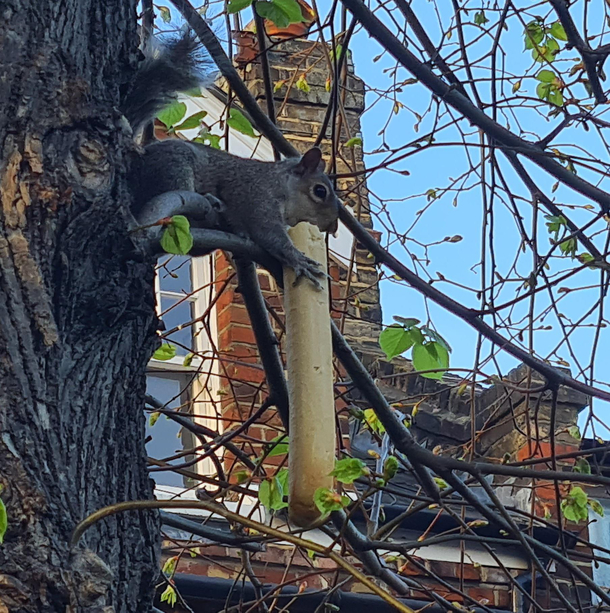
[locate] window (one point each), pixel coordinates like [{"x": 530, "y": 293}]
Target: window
[
  {"x": 184, "y": 289},
  {"x": 599, "y": 534},
  {"x": 176, "y": 297}
]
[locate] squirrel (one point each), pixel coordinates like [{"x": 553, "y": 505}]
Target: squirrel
[{"x": 260, "y": 198}]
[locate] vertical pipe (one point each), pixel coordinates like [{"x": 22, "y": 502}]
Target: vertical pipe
[{"x": 310, "y": 382}]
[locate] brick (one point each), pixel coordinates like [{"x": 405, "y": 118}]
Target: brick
[
  {"x": 453, "y": 570},
  {"x": 481, "y": 594},
  {"x": 232, "y": 313},
  {"x": 490, "y": 574},
  {"x": 240, "y": 334},
  {"x": 502, "y": 597}
]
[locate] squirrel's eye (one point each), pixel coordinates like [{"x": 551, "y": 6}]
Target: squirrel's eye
[{"x": 320, "y": 192}]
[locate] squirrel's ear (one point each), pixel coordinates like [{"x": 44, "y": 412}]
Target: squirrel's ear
[{"x": 311, "y": 162}]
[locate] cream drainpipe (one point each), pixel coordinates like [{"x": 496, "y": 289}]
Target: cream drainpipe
[{"x": 310, "y": 381}]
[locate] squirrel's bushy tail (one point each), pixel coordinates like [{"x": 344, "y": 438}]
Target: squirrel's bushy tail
[{"x": 171, "y": 66}]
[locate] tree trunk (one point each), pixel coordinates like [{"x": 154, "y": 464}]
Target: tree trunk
[{"x": 77, "y": 321}]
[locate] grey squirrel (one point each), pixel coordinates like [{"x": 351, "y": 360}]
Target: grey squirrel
[{"x": 261, "y": 198}]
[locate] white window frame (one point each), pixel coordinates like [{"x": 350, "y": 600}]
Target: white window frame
[{"x": 204, "y": 398}]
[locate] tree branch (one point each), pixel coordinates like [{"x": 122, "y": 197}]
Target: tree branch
[
  {"x": 225, "y": 65},
  {"x": 199, "y": 430},
  {"x": 553, "y": 376},
  {"x": 218, "y": 536},
  {"x": 590, "y": 59},
  {"x": 265, "y": 337},
  {"x": 458, "y": 101}
]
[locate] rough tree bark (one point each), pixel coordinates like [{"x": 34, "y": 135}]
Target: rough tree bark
[{"x": 77, "y": 321}]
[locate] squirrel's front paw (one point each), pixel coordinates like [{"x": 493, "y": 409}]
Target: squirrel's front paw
[{"x": 310, "y": 269}]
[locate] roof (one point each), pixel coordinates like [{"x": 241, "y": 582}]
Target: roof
[{"x": 211, "y": 595}]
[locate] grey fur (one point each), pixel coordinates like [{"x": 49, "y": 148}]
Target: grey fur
[
  {"x": 261, "y": 198},
  {"x": 170, "y": 66}
]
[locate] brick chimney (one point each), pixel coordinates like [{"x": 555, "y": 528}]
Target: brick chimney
[
  {"x": 300, "y": 115},
  {"x": 516, "y": 426}
]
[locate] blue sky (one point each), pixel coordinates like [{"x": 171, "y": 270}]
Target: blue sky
[
  {"x": 403, "y": 195},
  {"x": 435, "y": 168}
]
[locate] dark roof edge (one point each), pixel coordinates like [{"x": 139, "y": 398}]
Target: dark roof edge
[{"x": 208, "y": 590}]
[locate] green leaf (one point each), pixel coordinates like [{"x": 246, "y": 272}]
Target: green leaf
[
  {"x": 417, "y": 336},
  {"x": 169, "y": 596},
  {"x": 207, "y": 138},
  {"x": 569, "y": 512},
  {"x": 234, "y": 6},
  {"x": 352, "y": 142},
  {"x": 279, "y": 446},
  {"x": 272, "y": 12},
  {"x": 188, "y": 360},
  {"x": 165, "y": 352},
  {"x": 442, "y": 484},
  {"x": 557, "y": 31},
  {"x": 546, "y": 76},
  {"x": 336, "y": 52},
  {"x": 407, "y": 322},
  {"x": 569, "y": 247},
  {"x": 480, "y": 19},
  {"x": 596, "y": 507},
  {"x": 282, "y": 477},
  {"x": 546, "y": 52},
  {"x": 239, "y": 122},
  {"x": 556, "y": 97},
  {"x": 395, "y": 340},
  {"x": 435, "y": 336},
  {"x": 543, "y": 90},
  {"x": 578, "y": 496},
  {"x": 166, "y": 16},
  {"x": 172, "y": 114},
  {"x": 390, "y": 467},
  {"x": 582, "y": 466},
  {"x": 574, "y": 432},
  {"x": 327, "y": 501},
  {"x": 349, "y": 469},
  {"x": 271, "y": 494},
  {"x": 154, "y": 417},
  {"x": 533, "y": 34},
  {"x": 554, "y": 223},
  {"x": 241, "y": 476},
  {"x": 585, "y": 258},
  {"x": 3, "y": 520},
  {"x": 430, "y": 356},
  {"x": 177, "y": 237},
  {"x": 291, "y": 8},
  {"x": 169, "y": 568},
  {"x": 194, "y": 121},
  {"x": 372, "y": 421},
  {"x": 302, "y": 84}
]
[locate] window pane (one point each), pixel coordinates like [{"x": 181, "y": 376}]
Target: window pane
[
  {"x": 168, "y": 438},
  {"x": 178, "y": 315},
  {"x": 175, "y": 274},
  {"x": 599, "y": 533}
]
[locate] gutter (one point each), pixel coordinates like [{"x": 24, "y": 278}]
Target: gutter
[{"x": 212, "y": 595}]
